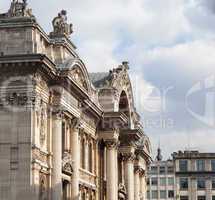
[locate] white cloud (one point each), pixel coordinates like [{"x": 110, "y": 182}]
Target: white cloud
[
  {"x": 184, "y": 140},
  {"x": 167, "y": 42}
]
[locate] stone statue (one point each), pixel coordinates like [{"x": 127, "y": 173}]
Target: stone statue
[
  {"x": 60, "y": 25},
  {"x": 121, "y": 192},
  {"x": 19, "y": 9}
]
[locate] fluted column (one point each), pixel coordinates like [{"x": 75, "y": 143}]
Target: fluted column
[
  {"x": 75, "y": 152},
  {"x": 111, "y": 172},
  {"x": 57, "y": 156},
  {"x": 142, "y": 185},
  {"x": 129, "y": 174},
  {"x": 136, "y": 183}
]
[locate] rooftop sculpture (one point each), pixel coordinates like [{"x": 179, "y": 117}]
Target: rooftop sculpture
[
  {"x": 19, "y": 9},
  {"x": 60, "y": 25}
]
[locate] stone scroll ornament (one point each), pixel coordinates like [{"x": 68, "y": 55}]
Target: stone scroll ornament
[{"x": 60, "y": 25}]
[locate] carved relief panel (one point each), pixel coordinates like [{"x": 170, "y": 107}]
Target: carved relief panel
[{"x": 43, "y": 187}]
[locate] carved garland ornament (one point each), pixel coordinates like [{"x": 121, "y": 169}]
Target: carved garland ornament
[{"x": 128, "y": 157}]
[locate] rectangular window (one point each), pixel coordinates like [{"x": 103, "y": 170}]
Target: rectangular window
[
  {"x": 154, "y": 170},
  {"x": 183, "y": 165},
  {"x": 200, "y": 183},
  {"x": 162, "y": 170},
  {"x": 183, "y": 183},
  {"x": 171, "y": 194},
  {"x": 171, "y": 181},
  {"x": 200, "y": 165},
  {"x": 154, "y": 194},
  {"x": 213, "y": 197},
  {"x": 148, "y": 194},
  {"x": 162, "y": 181},
  {"x": 213, "y": 184},
  {"x": 170, "y": 169},
  {"x": 213, "y": 165},
  {"x": 163, "y": 194},
  {"x": 184, "y": 198},
  {"x": 148, "y": 182},
  {"x": 201, "y": 198},
  {"x": 154, "y": 181}
]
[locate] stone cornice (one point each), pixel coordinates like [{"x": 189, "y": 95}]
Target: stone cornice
[
  {"x": 114, "y": 119},
  {"x": 129, "y": 136}
]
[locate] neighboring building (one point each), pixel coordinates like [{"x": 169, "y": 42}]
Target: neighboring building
[
  {"x": 160, "y": 179},
  {"x": 195, "y": 175},
  {"x": 189, "y": 176},
  {"x": 64, "y": 133}
]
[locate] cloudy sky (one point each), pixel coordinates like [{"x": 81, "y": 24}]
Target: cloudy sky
[{"x": 170, "y": 45}]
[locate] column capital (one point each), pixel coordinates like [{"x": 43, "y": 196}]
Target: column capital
[
  {"x": 58, "y": 114},
  {"x": 110, "y": 144},
  {"x": 130, "y": 156},
  {"x": 139, "y": 170},
  {"x": 76, "y": 123}
]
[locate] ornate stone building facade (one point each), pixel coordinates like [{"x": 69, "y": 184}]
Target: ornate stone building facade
[{"x": 64, "y": 133}]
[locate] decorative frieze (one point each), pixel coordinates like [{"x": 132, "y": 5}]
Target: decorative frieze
[{"x": 111, "y": 144}]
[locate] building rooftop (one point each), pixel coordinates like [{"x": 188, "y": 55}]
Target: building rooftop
[{"x": 192, "y": 154}]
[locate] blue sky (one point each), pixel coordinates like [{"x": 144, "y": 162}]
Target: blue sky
[{"x": 171, "y": 49}]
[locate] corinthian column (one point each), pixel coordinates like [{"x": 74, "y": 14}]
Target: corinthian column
[
  {"x": 136, "y": 183},
  {"x": 142, "y": 185},
  {"x": 111, "y": 172},
  {"x": 57, "y": 156},
  {"x": 75, "y": 152},
  {"x": 129, "y": 174}
]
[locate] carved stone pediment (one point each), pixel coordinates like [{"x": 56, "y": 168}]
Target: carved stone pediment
[
  {"x": 67, "y": 164},
  {"x": 77, "y": 75}
]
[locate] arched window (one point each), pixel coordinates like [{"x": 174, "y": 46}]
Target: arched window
[
  {"x": 82, "y": 151},
  {"x": 63, "y": 136},
  {"x": 90, "y": 158}
]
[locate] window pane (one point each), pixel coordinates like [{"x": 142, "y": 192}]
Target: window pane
[
  {"x": 171, "y": 181},
  {"x": 154, "y": 194},
  {"x": 154, "y": 170},
  {"x": 183, "y": 165},
  {"x": 162, "y": 181},
  {"x": 201, "y": 198},
  {"x": 154, "y": 181},
  {"x": 162, "y": 170},
  {"x": 170, "y": 169},
  {"x": 183, "y": 183},
  {"x": 163, "y": 194},
  {"x": 213, "y": 197},
  {"x": 148, "y": 194},
  {"x": 184, "y": 198},
  {"x": 213, "y": 165},
  {"x": 200, "y": 165},
  {"x": 213, "y": 183},
  {"x": 200, "y": 183},
  {"x": 170, "y": 194}
]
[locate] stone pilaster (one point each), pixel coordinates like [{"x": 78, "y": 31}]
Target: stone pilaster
[
  {"x": 143, "y": 186},
  {"x": 137, "y": 171},
  {"x": 57, "y": 156},
  {"x": 128, "y": 159},
  {"x": 110, "y": 138},
  {"x": 112, "y": 183},
  {"x": 75, "y": 152}
]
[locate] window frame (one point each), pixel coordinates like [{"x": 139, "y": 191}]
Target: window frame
[
  {"x": 187, "y": 181},
  {"x": 181, "y": 165}
]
